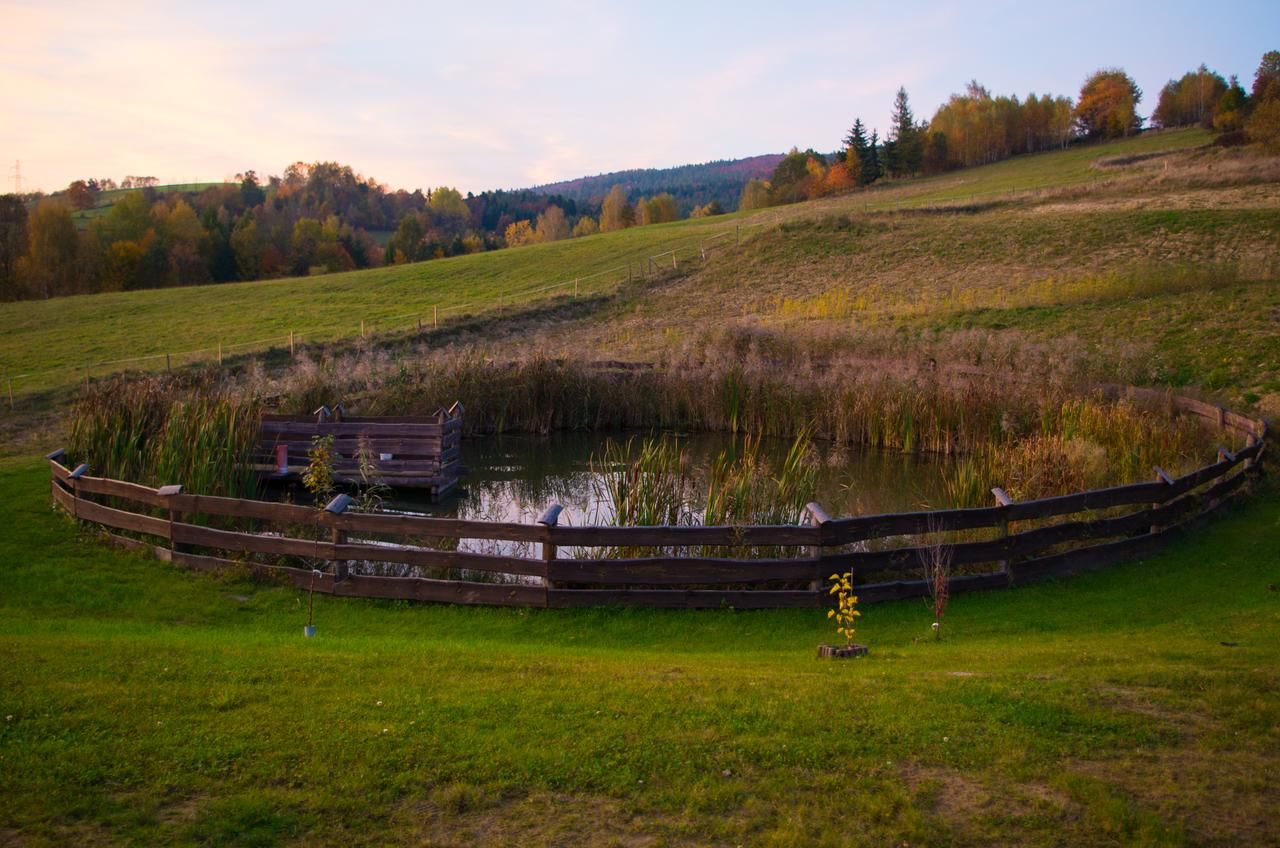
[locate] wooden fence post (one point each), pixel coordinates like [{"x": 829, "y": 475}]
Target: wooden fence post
[
  {"x": 1161, "y": 477},
  {"x": 575, "y": 288},
  {"x": 550, "y": 517},
  {"x": 737, "y": 234},
  {"x": 336, "y": 507},
  {"x": 362, "y": 328},
  {"x": 80, "y": 470},
  {"x": 10, "y": 392},
  {"x": 816, "y": 517},
  {"x": 1003, "y": 499},
  {"x": 435, "y": 317},
  {"x": 419, "y": 325},
  {"x": 674, "y": 267},
  {"x": 219, "y": 353},
  {"x": 291, "y": 344},
  {"x": 174, "y": 516},
  {"x": 167, "y": 366}
]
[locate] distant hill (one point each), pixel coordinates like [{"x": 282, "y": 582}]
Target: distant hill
[{"x": 691, "y": 185}]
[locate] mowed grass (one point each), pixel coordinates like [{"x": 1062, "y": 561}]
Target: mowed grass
[
  {"x": 140, "y": 704},
  {"x": 45, "y": 344}
]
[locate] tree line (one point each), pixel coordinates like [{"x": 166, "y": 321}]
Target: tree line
[{"x": 976, "y": 128}]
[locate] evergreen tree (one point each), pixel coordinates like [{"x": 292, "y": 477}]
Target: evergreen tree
[
  {"x": 904, "y": 150},
  {"x": 872, "y": 168}
]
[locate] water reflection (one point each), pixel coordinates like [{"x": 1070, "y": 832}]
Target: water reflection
[{"x": 515, "y": 477}]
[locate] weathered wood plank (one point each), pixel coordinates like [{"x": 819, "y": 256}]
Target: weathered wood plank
[
  {"x": 121, "y": 489},
  {"x": 229, "y": 540},
  {"x": 684, "y": 599},
  {"x": 425, "y": 526},
  {"x": 87, "y": 510},
  {"x": 664, "y": 536},
  {"x": 678, "y": 571},
  {"x": 243, "y": 508}
]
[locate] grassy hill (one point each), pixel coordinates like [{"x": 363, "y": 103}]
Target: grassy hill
[{"x": 1038, "y": 246}]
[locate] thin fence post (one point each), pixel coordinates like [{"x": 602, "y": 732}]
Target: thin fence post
[
  {"x": 628, "y": 270},
  {"x": 550, "y": 517},
  {"x": 175, "y": 517},
  {"x": 1003, "y": 499},
  {"x": 702, "y": 247},
  {"x": 816, "y": 517},
  {"x": 362, "y": 328},
  {"x": 575, "y": 287},
  {"x": 435, "y": 317},
  {"x": 219, "y": 353},
  {"x": 674, "y": 267},
  {"x": 338, "y": 536},
  {"x": 1161, "y": 477},
  {"x": 419, "y": 325},
  {"x": 167, "y": 365},
  {"x": 291, "y": 344},
  {"x": 737, "y": 234},
  {"x": 10, "y": 392}
]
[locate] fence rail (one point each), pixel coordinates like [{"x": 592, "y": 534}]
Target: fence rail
[{"x": 687, "y": 566}]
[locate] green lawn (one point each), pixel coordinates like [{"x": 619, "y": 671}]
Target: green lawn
[{"x": 140, "y": 704}]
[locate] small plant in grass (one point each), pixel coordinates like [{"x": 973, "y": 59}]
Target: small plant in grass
[
  {"x": 845, "y": 614},
  {"x": 372, "y": 492},
  {"x": 935, "y": 559}
]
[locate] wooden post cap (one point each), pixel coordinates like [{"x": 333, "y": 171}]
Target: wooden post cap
[
  {"x": 817, "y": 515},
  {"x": 1163, "y": 476},
  {"x": 1002, "y": 497},
  {"x": 551, "y": 515},
  {"x": 169, "y": 491},
  {"x": 81, "y": 470},
  {"x": 56, "y": 455}
]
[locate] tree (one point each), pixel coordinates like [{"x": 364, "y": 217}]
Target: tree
[
  {"x": 615, "y": 212},
  {"x": 935, "y": 153},
  {"x": 1231, "y": 107},
  {"x": 13, "y": 243},
  {"x": 1266, "y": 80},
  {"x": 906, "y": 138},
  {"x": 251, "y": 194},
  {"x": 519, "y": 234},
  {"x": 247, "y": 244},
  {"x": 755, "y": 195},
  {"x": 662, "y": 209},
  {"x": 1263, "y": 126},
  {"x": 1108, "y": 105},
  {"x": 450, "y": 215},
  {"x": 707, "y": 210},
  {"x": 80, "y": 195},
  {"x": 872, "y": 168},
  {"x": 406, "y": 245},
  {"x": 552, "y": 225},
  {"x": 1193, "y": 99},
  {"x": 586, "y": 226},
  {"x": 51, "y": 249}
]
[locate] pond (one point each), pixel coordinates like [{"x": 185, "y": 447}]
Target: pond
[{"x": 516, "y": 477}]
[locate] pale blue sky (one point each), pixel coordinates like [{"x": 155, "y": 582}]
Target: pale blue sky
[{"x": 492, "y": 95}]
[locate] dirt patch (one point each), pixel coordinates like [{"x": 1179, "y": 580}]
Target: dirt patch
[{"x": 539, "y": 818}]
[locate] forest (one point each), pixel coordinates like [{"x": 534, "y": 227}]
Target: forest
[{"x": 324, "y": 217}]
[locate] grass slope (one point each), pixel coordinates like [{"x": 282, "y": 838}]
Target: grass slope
[
  {"x": 35, "y": 336},
  {"x": 143, "y": 705}
]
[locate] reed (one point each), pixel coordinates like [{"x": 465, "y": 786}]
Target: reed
[{"x": 161, "y": 430}]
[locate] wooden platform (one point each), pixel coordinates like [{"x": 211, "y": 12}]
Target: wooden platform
[{"x": 405, "y": 452}]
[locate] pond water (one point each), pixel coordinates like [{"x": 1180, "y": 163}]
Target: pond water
[{"x": 516, "y": 477}]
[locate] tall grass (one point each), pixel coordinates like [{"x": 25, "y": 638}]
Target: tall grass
[{"x": 158, "y": 431}]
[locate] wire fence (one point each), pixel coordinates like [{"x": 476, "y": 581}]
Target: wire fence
[{"x": 429, "y": 317}]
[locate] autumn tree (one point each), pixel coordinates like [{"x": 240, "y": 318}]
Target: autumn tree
[
  {"x": 52, "y": 243},
  {"x": 586, "y": 226},
  {"x": 13, "y": 244},
  {"x": 1108, "y": 105},
  {"x": 661, "y": 209},
  {"x": 407, "y": 242},
  {"x": 1231, "y": 107},
  {"x": 450, "y": 215},
  {"x": 81, "y": 196},
  {"x": 1266, "y": 80},
  {"x": 615, "y": 211},
  {"x": 552, "y": 225},
  {"x": 755, "y": 195},
  {"x": 519, "y": 234},
  {"x": 1193, "y": 99},
  {"x": 247, "y": 245}
]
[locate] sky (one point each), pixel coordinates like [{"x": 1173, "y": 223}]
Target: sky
[{"x": 498, "y": 95}]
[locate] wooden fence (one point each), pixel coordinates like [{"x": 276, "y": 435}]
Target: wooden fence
[{"x": 1007, "y": 544}]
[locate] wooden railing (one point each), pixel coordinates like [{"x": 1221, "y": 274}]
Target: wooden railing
[{"x": 317, "y": 547}]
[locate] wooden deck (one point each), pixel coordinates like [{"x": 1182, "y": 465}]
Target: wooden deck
[{"x": 404, "y": 452}]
